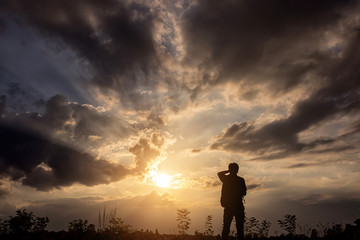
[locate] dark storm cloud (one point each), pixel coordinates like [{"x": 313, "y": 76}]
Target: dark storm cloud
[
  {"x": 115, "y": 37},
  {"x": 253, "y": 186},
  {"x": 43, "y": 164},
  {"x": 31, "y": 154},
  {"x": 57, "y": 112},
  {"x": 258, "y": 42},
  {"x": 300, "y": 165},
  {"x": 91, "y": 122},
  {"x": 79, "y": 121},
  {"x": 276, "y": 43},
  {"x": 339, "y": 97}
]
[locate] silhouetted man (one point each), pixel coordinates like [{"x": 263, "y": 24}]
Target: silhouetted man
[{"x": 232, "y": 194}]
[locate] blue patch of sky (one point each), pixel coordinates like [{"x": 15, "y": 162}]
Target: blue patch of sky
[
  {"x": 30, "y": 60},
  {"x": 170, "y": 48},
  {"x": 20, "y": 97},
  {"x": 337, "y": 49}
]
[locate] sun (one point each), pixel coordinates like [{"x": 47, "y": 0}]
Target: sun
[{"x": 162, "y": 180}]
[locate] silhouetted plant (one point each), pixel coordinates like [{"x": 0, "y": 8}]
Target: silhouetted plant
[
  {"x": 117, "y": 226},
  {"x": 357, "y": 222},
  {"x": 305, "y": 230},
  {"x": 198, "y": 233},
  {"x": 26, "y": 226},
  {"x": 334, "y": 231},
  {"x": 183, "y": 220},
  {"x": 314, "y": 234},
  {"x": 251, "y": 227},
  {"x": 81, "y": 226},
  {"x": 351, "y": 231},
  {"x": 288, "y": 224},
  {"x": 208, "y": 226},
  {"x": 323, "y": 228},
  {"x": 264, "y": 228},
  {"x": 3, "y": 227},
  {"x": 80, "y": 229},
  {"x": 105, "y": 218},
  {"x": 23, "y": 222}
]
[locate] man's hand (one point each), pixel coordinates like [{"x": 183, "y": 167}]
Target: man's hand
[{"x": 222, "y": 174}]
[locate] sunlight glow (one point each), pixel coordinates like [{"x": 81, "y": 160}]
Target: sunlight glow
[{"x": 162, "y": 180}]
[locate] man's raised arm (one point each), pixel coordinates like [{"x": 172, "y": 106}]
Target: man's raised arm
[{"x": 222, "y": 174}]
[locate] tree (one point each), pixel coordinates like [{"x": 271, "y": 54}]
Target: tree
[
  {"x": 24, "y": 222},
  {"x": 288, "y": 224},
  {"x": 183, "y": 220},
  {"x": 40, "y": 224},
  {"x": 264, "y": 228},
  {"x": 208, "y": 226},
  {"x": 3, "y": 227},
  {"x": 81, "y": 226},
  {"x": 80, "y": 229},
  {"x": 314, "y": 234},
  {"x": 117, "y": 226},
  {"x": 251, "y": 227}
]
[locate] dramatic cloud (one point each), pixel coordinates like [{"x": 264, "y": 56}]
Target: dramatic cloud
[
  {"x": 147, "y": 152},
  {"x": 79, "y": 122},
  {"x": 272, "y": 43},
  {"x": 143, "y": 153},
  {"x": 114, "y": 37},
  {"x": 339, "y": 97},
  {"x": 43, "y": 164},
  {"x": 37, "y": 148},
  {"x": 277, "y": 45}
]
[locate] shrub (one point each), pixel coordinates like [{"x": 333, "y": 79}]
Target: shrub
[
  {"x": 288, "y": 224},
  {"x": 183, "y": 220}
]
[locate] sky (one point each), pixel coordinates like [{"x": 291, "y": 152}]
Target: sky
[{"x": 135, "y": 106}]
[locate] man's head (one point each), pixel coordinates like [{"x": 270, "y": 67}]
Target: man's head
[{"x": 233, "y": 168}]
